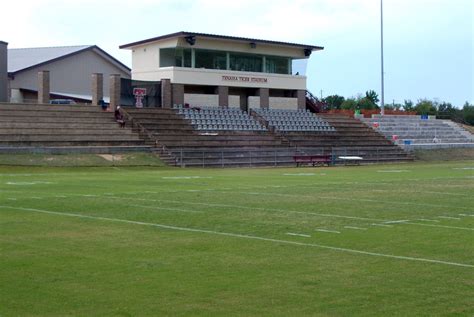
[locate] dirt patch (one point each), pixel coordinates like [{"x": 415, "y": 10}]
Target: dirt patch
[{"x": 111, "y": 157}]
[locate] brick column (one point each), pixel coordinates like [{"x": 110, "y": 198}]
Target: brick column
[
  {"x": 97, "y": 88},
  {"x": 178, "y": 93},
  {"x": 264, "y": 94},
  {"x": 301, "y": 95},
  {"x": 223, "y": 92},
  {"x": 114, "y": 91},
  {"x": 43, "y": 86},
  {"x": 4, "y": 72},
  {"x": 166, "y": 93}
]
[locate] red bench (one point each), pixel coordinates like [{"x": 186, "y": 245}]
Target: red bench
[{"x": 312, "y": 159}]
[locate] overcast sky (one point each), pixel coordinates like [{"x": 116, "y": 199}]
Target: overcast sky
[{"x": 428, "y": 43}]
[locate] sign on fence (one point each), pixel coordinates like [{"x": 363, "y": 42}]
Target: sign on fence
[{"x": 139, "y": 94}]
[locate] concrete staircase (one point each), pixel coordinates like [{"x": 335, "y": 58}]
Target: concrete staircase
[
  {"x": 414, "y": 132},
  {"x": 58, "y": 129}
]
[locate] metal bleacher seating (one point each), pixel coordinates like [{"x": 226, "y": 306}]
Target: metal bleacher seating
[
  {"x": 283, "y": 120},
  {"x": 219, "y": 119}
]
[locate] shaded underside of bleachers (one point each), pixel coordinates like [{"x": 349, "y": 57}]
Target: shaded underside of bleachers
[{"x": 31, "y": 128}]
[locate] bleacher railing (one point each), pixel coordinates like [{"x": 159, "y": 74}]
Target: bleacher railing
[{"x": 269, "y": 157}]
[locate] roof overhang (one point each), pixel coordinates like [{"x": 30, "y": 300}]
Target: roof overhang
[{"x": 191, "y": 35}]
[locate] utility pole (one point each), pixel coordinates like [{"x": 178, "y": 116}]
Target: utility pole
[{"x": 382, "y": 108}]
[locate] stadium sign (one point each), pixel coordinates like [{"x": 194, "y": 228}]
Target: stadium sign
[{"x": 245, "y": 79}]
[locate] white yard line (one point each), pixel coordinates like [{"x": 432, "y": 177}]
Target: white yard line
[
  {"x": 437, "y": 226},
  {"x": 447, "y": 217},
  {"x": 466, "y": 215},
  {"x": 396, "y": 221},
  {"x": 429, "y": 220},
  {"x": 355, "y": 228},
  {"x": 243, "y": 236},
  {"x": 326, "y": 230},
  {"x": 381, "y": 225},
  {"x": 298, "y": 234}
]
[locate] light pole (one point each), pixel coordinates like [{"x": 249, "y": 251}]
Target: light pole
[{"x": 382, "y": 108}]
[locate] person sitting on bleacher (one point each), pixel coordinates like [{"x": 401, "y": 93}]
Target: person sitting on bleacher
[{"x": 119, "y": 118}]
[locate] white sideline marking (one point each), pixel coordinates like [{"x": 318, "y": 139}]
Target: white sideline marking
[
  {"x": 438, "y": 226},
  {"x": 430, "y": 220},
  {"x": 325, "y": 230},
  {"x": 236, "y": 235},
  {"x": 28, "y": 183},
  {"x": 463, "y": 168},
  {"x": 11, "y": 198},
  {"x": 167, "y": 208},
  {"x": 447, "y": 217},
  {"x": 381, "y": 225},
  {"x": 185, "y": 177},
  {"x": 299, "y": 174},
  {"x": 60, "y": 196},
  {"x": 355, "y": 228},
  {"x": 298, "y": 234},
  {"x": 393, "y": 171},
  {"x": 466, "y": 215},
  {"x": 34, "y": 197},
  {"x": 396, "y": 221}
]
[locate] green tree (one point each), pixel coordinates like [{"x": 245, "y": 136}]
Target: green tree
[
  {"x": 366, "y": 103},
  {"x": 447, "y": 111},
  {"x": 425, "y": 106},
  {"x": 372, "y": 96},
  {"x": 408, "y": 105},
  {"x": 349, "y": 104},
  {"x": 334, "y": 101},
  {"x": 468, "y": 113}
]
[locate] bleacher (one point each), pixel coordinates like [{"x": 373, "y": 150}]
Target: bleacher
[
  {"x": 33, "y": 128},
  {"x": 219, "y": 119},
  {"x": 283, "y": 120},
  {"x": 421, "y": 131},
  {"x": 350, "y": 138},
  {"x": 183, "y": 143}
]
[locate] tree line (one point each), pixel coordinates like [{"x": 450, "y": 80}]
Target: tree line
[{"x": 443, "y": 110}]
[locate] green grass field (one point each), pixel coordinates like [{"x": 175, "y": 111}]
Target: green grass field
[{"x": 378, "y": 240}]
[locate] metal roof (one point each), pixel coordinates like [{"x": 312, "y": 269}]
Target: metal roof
[
  {"x": 24, "y": 58},
  {"x": 222, "y": 37}
]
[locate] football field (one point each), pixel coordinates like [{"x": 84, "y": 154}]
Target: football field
[{"x": 377, "y": 240}]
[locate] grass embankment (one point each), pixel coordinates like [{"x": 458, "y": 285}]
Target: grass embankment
[
  {"x": 81, "y": 160},
  {"x": 454, "y": 154}
]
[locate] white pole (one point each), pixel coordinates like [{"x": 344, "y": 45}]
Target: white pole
[{"x": 382, "y": 106}]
